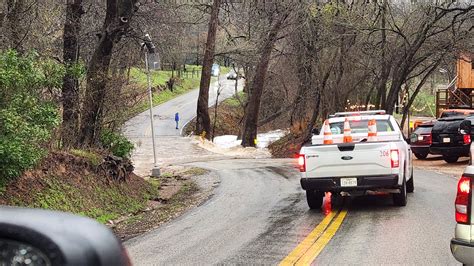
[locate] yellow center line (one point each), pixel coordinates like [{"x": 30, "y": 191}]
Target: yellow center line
[
  {"x": 308, "y": 242},
  {"x": 319, "y": 245}
]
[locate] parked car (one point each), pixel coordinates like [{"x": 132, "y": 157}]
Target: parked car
[
  {"x": 215, "y": 70},
  {"x": 232, "y": 75},
  {"x": 382, "y": 163},
  {"x": 462, "y": 245},
  {"x": 41, "y": 237},
  {"x": 420, "y": 140},
  {"x": 451, "y": 137}
]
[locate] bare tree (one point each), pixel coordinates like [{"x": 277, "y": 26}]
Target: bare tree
[
  {"x": 256, "y": 88},
  {"x": 70, "y": 89},
  {"x": 116, "y": 24},
  {"x": 203, "y": 122}
]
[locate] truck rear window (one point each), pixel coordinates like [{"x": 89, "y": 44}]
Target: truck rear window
[
  {"x": 423, "y": 130},
  {"x": 361, "y": 126}
]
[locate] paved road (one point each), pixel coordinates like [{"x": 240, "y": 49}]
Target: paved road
[
  {"x": 138, "y": 129},
  {"x": 259, "y": 215}
]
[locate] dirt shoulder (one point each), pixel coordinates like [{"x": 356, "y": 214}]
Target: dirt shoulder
[{"x": 181, "y": 189}]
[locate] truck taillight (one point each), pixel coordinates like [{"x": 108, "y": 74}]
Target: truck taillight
[
  {"x": 302, "y": 162},
  {"x": 466, "y": 138},
  {"x": 462, "y": 203},
  {"x": 430, "y": 139},
  {"x": 394, "y": 158}
]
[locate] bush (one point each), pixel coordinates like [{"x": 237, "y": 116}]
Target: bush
[
  {"x": 116, "y": 143},
  {"x": 26, "y": 118}
]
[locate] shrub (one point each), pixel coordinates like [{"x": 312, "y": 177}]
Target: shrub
[
  {"x": 26, "y": 118},
  {"x": 116, "y": 143}
]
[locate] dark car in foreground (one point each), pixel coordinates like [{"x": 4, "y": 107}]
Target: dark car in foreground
[
  {"x": 420, "y": 140},
  {"x": 40, "y": 237},
  {"x": 451, "y": 137}
]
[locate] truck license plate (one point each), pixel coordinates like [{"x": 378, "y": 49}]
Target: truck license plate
[
  {"x": 348, "y": 182},
  {"x": 446, "y": 140}
]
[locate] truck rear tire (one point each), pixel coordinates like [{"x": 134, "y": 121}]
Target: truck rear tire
[
  {"x": 421, "y": 156},
  {"x": 314, "y": 199},
  {"x": 450, "y": 159},
  {"x": 400, "y": 199},
  {"x": 410, "y": 185}
]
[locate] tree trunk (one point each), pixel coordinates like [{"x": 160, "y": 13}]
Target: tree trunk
[
  {"x": 118, "y": 15},
  {"x": 70, "y": 89},
  {"x": 315, "y": 108},
  {"x": 203, "y": 122},
  {"x": 253, "y": 107},
  {"x": 385, "y": 69},
  {"x": 14, "y": 26}
]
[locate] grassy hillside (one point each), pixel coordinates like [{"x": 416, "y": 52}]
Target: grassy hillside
[{"x": 68, "y": 182}]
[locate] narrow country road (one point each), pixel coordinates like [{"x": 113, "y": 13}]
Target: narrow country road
[
  {"x": 171, "y": 147},
  {"x": 259, "y": 214}
]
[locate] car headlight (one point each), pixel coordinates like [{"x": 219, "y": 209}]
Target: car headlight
[{"x": 16, "y": 253}]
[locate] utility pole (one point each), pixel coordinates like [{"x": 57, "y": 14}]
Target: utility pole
[{"x": 150, "y": 50}]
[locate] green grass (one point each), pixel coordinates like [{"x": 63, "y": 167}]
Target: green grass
[
  {"x": 233, "y": 101},
  {"x": 159, "y": 78},
  {"x": 98, "y": 201},
  {"x": 93, "y": 158},
  {"x": 195, "y": 171}
]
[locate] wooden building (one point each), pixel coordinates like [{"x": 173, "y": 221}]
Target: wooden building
[
  {"x": 465, "y": 72},
  {"x": 459, "y": 95}
]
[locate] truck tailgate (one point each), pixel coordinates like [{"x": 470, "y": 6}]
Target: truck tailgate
[{"x": 342, "y": 160}]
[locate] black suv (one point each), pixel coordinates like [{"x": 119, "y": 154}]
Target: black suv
[{"x": 451, "y": 137}]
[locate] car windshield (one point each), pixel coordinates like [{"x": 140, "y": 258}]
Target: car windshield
[{"x": 361, "y": 126}]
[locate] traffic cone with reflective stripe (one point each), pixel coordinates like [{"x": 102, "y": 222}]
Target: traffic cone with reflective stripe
[
  {"x": 327, "y": 133},
  {"x": 372, "y": 130},
  {"x": 347, "y": 131}
]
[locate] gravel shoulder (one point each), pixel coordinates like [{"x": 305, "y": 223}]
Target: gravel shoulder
[
  {"x": 181, "y": 189},
  {"x": 436, "y": 164}
]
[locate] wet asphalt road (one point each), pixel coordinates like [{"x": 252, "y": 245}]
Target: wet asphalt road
[{"x": 258, "y": 215}]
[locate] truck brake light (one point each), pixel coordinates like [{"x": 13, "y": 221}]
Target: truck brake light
[
  {"x": 302, "y": 162},
  {"x": 462, "y": 203},
  {"x": 466, "y": 138},
  {"x": 394, "y": 158}
]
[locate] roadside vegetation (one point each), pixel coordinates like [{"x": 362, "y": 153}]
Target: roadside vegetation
[{"x": 71, "y": 182}]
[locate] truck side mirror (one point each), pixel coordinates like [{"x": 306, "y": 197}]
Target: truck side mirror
[{"x": 315, "y": 131}]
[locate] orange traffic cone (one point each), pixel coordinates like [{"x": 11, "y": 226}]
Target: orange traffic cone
[
  {"x": 372, "y": 130},
  {"x": 347, "y": 131},
  {"x": 327, "y": 133}
]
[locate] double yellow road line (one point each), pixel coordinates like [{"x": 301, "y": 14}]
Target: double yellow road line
[{"x": 314, "y": 243}]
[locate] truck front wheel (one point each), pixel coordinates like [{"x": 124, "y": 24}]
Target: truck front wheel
[{"x": 314, "y": 198}]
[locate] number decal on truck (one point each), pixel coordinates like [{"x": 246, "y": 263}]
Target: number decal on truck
[{"x": 384, "y": 153}]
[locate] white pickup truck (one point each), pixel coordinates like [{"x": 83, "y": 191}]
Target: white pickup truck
[{"x": 361, "y": 166}]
